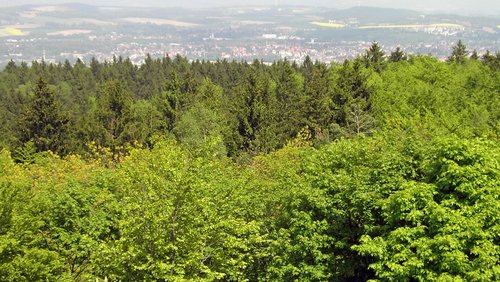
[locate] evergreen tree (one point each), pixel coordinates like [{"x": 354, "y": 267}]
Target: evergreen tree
[
  {"x": 491, "y": 60},
  {"x": 290, "y": 101},
  {"x": 318, "y": 102},
  {"x": 398, "y": 55},
  {"x": 307, "y": 67},
  {"x": 43, "y": 122},
  {"x": 474, "y": 56},
  {"x": 352, "y": 98},
  {"x": 112, "y": 115},
  {"x": 375, "y": 57},
  {"x": 459, "y": 53},
  {"x": 254, "y": 113}
]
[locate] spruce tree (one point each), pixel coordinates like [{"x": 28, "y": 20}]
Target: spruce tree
[
  {"x": 43, "y": 122},
  {"x": 474, "y": 56},
  {"x": 398, "y": 55},
  {"x": 491, "y": 60},
  {"x": 459, "y": 53},
  {"x": 112, "y": 117},
  {"x": 375, "y": 57}
]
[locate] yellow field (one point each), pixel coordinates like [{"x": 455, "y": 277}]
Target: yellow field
[
  {"x": 391, "y": 26},
  {"x": 323, "y": 24},
  {"x": 10, "y": 31},
  {"x": 447, "y": 25},
  {"x": 410, "y": 26},
  {"x": 498, "y": 26}
]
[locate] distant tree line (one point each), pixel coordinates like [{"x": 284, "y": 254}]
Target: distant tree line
[{"x": 246, "y": 108}]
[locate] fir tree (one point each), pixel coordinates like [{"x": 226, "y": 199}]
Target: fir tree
[
  {"x": 43, "y": 122},
  {"x": 398, "y": 55},
  {"x": 375, "y": 57},
  {"x": 459, "y": 53},
  {"x": 474, "y": 56}
]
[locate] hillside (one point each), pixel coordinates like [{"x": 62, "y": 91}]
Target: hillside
[{"x": 72, "y": 31}]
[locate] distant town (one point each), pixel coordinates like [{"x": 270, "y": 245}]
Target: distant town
[{"x": 74, "y": 31}]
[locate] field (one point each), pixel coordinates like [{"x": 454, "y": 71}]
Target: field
[
  {"x": 10, "y": 31},
  {"x": 69, "y": 32},
  {"x": 394, "y": 26},
  {"x": 391, "y": 26},
  {"x": 252, "y": 22},
  {"x": 411, "y": 26},
  {"x": 157, "y": 21},
  {"x": 328, "y": 24}
]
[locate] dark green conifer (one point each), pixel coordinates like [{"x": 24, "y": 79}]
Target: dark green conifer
[
  {"x": 43, "y": 122},
  {"x": 398, "y": 55},
  {"x": 459, "y": 53},
  {"x": 474, "y": 56}
]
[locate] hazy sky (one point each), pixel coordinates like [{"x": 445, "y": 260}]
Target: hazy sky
[{"x": 451, "y": 6}]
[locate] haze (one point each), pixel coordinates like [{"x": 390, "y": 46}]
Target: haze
[{"x": 485, "y": 7}]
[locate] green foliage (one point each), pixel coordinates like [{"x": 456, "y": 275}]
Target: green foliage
[
  {"x": 43, "y": 122},
  {"x": 398, "y": 55},
  {"x": 442, "y": 227},
  {"x": 444, "y": 99},
  {"x": 182, "y": 219},
  {"x": 375, "y": 57},
  {"x": 290, "y": 102},
  {"x": 55, "y": 217},
  {"x": 352, "y": 98},
  {"x": 202, "y": 126},
  {"x": 254, "y": 113},
  {"x": 112, "y": 114},
  {"x": 374, "y": 169},
  {"x": 318, "y": 102},
  {"x": 491, "y": 60},
  {"x": 459, "y": 53},
  {"x": 258, "y": 108}
]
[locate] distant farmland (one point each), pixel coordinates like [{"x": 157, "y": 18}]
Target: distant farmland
[
  {"x": 411, "y": 26},
  {"x": 10, "y": 31},
  {"x": 68, "y": 32},
  {"x": 157, "y": 21},
  {"x": 328, "y": 24},
  {"x": 389, "y": 26}
]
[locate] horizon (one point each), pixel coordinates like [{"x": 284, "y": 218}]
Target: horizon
[
  {"x": 70, "y": 31},
  {"x": 461, "y": 7}
]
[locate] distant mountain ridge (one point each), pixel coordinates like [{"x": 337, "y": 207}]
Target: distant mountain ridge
[
  {"x": 346, "y": 6},
  {"x": 83, "y": 30}
]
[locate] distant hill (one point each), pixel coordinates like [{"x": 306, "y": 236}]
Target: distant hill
[
  {"x": 76, "y": 30},
  {"x": 377, "y": 14}
]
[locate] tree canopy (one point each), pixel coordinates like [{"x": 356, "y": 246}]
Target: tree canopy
[{"x": 374, "y": 169}]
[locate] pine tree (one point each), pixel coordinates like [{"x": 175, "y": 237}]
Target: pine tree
[
  {"x": 254, "y": 111},
  {"x": 398, "y": 55},
  {"x": 459, "y": 53},
  {"x": 43, "y": 122},
  {"x": 318, "y": 102},
  {"x": 112, "y": 116},
  {"x": 375, "y": 57},
  {"x": 290, "y": 100},
  {"x": 351, "y": 97},
  {"x": 491, "y": 60},
  {"x": 474, "y": 56}
]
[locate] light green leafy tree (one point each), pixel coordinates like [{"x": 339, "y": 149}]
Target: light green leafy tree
[
  {"x": 445, "y": 226},
  {"x": 182, "y": 219}
]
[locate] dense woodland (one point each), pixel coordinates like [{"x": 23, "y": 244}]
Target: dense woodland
[{"x": 385, "y": 167}]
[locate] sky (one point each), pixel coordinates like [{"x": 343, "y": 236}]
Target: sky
[{"x": 468, "y": 7}]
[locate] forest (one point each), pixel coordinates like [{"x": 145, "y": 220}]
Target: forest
[{"x": 381, "y": 168}]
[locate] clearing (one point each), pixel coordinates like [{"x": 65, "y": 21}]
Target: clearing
[{"x": 328, "y": 24}]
